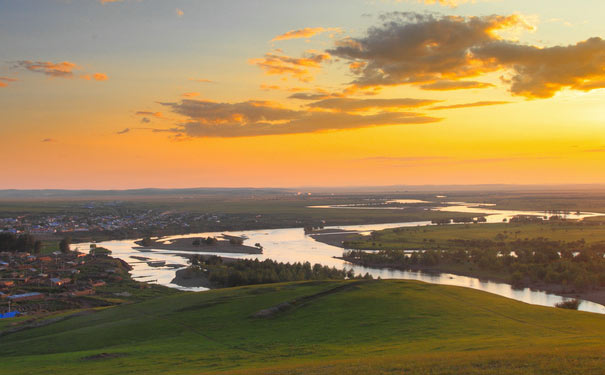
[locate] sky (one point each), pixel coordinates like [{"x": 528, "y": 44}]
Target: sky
[{"x": 192, "y": 93}]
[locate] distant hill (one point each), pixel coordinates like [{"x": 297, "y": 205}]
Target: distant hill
[
  {"x": 319, "y": 327},
  {"x": 148, "y": 192}
]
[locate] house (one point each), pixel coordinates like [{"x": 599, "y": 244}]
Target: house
[
  {"x": 55, "y": 281},
  {"x": 26, "y": 297},
  {"x": 83, "y": 292},
  {"x": 6, "y": 283}
]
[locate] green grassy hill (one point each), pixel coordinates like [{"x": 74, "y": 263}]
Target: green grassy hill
[{"x": 338, "y": 327}]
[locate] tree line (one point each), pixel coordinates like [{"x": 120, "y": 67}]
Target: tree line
[
  {"x": 573, "y": 265},
  {"x": 19, "y": 243},
  {"x": 247, "y": 272}
]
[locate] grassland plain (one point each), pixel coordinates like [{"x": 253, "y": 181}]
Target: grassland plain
[
  {"x": 440, "y": 237},
  {"x": 322, "y": 327}
]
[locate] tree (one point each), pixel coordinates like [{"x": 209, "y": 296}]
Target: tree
[
  {"x": 65, "y": 245},
  {"x": 37, "y": 247}
]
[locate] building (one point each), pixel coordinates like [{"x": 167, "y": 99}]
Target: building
[{"x": 26, "y": 297}]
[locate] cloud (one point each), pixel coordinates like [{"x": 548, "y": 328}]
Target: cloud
[
  {"x": 269, "y": 87},
  {"x": 446, "y": 85},
  {"x": 299, "y": 68},
  {"x": 202, "y": 80},
  {"x": 123, "y": 131},
  {"x": 48, "y": 140},
  {"x": 149, "y": 113},
  {"x": 96, "y": 77},
  {"x": 311, "y": 95},
  {"x": 542, "y": 72},
  {"x": 190, "y": 94},
  {"x": 145, "y": 120},
  {"x": 110, "y": 1},
  {"x": 61, "y": 69},
  {"x": 179, "y": 12},
  {"x": 257, "y": 118},
  {"x": 100, "y": 77},
  {"x": 356, "y": 105},
  {"x": 64, "y": 69},
  {"x": 415, "y": 48},
  {"x": 442, "y": 52},
  {"x": 4, "y": 81},
  {"x": 469, "y": 105},
  {"x": 307, "y": 32}
]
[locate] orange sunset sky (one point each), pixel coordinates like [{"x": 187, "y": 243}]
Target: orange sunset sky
[{"x": 184, "y": 93}]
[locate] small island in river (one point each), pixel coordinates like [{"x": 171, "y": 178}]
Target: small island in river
[{"x": 223, "y": 244}]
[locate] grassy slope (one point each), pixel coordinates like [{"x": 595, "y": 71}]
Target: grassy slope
[
  {"x": 413, "y": 238},
  {"x": 365, "y": 327}
]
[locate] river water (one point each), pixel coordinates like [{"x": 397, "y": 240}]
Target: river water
[{"x": 292, "y": 245}]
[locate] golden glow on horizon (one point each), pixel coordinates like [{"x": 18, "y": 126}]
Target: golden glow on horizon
[{"x": 315, "y": 105}]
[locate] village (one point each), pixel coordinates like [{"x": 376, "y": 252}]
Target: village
[
  {"x": 90, "y": 222},
  {"x": 32, "y": 284}
]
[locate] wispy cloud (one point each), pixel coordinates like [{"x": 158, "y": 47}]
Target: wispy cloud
[
  {"x": 190, "y": 94},
  {"x": 48, "y": 140},
  {"x": 202, "y": 80},
  {"x": 307, "y": 32},
  {"x": 4, "y": 81},
  {"x": 356, "y": 105},
  {"x": 446, "y": 85},
  {"x": 95, "y": 76},
  {"x": 123, "y": 131},
  {"x": 149, "y": 113},
  {"x": 258, "y": 118},
  {"x": 469, "y": 105},
  {"x": 64, "y": 69},
  {"x": 299, "y": 68}
]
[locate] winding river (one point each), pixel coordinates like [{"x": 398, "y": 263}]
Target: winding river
[{"x": 292, "y": 245}]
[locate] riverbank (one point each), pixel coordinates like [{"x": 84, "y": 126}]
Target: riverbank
[
  {"x": 333, "y": 237},
  {"x": 190, "y": 278},
  {"x": 229, "y": 244},
  {"x": 452, "y": 256}
]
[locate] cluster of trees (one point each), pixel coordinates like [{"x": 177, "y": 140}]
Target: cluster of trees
[
  {"x": 236, "y": 241},
  {"x": 524, "y": 261},
  {"x": 248, "y": 272},
  {"x": 20, "y": 243},
  {"x": 458, "y": 220},
  {"x": 205, "y": 241}
]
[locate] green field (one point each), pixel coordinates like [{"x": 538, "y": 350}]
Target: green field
[
  {"x": 586, "y": 199},
  {"x": 329, "y": 327},
  {"x": 438, "y": 237}
]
